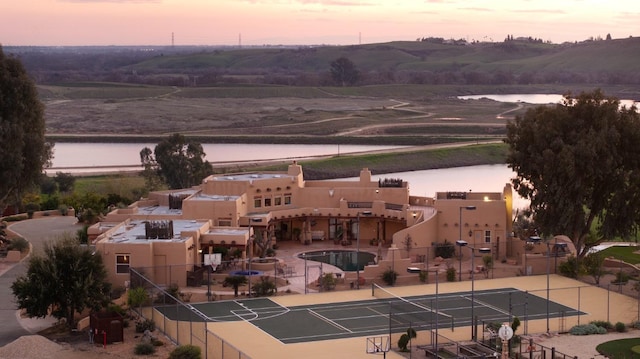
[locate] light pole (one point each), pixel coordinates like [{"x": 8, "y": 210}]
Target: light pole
[
  {"x": 548, "y": 262},
  {"x": 468, "y": 208},
  {"x": 364, "y": 213},
  {"x": 250, "y": 242},
  {"x": 483, "y": 250}
]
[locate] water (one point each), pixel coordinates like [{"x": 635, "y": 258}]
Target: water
[
  {"x": 343, "y": 259},
  {"x": 536, "y": 99},
  {"x": 94, "y": 157},
  {"x": 482, "y": 178}
]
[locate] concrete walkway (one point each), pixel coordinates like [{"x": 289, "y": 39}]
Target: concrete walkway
[{"x": 37, "y": 232}]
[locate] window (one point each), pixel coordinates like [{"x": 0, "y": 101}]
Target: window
[
  {"x": 257, "y": 202},
  {"x": 122, "y": 263},
  {"x": 287, "y": 198},
  {"x": 267, "y": 202},
  {"x": 277, "y": 201},
  {"x": 487, "y": 236},
  {"x": 224, "y": 222}
]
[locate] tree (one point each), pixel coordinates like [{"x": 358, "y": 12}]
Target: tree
[
  {"x": 578, "y": 164},
  {"x": 65, "y": 181},
  {"x": 344, "y": 72},
  {"x": 593, "y": 265},
  {"x": 23, "y": 149},
  {"x": 235, "y": 281},
  {"x": 64, "y": 281},
  {"x": 180, "y": 164}
]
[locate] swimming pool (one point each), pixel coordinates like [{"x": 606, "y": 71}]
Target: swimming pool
[{"x": 343, "y": 259}]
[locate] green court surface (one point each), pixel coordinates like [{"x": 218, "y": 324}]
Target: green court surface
[{"x": 377, "y": 316}]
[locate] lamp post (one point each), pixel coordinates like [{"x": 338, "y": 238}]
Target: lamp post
[
  {"x": 548, "y": 262},
  {"x": 459, "y": 241},
  {"x": 483, "y": 250},
  {"x": 364, "y": 213}
]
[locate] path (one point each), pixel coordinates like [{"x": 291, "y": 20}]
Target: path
[{"x": 37, "y": 232}]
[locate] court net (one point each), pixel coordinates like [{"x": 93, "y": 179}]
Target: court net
[{"x": 411, "y": 312}]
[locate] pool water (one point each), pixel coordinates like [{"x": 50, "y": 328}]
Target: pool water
[
  {"x": 245, "y": 272},
  {"x": 343, "y": 259}
]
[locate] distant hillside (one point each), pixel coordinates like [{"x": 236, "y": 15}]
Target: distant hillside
[{"x": 420, "y": 62}]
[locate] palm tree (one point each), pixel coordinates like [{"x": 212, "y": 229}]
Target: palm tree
[{"x": 235, "y": 281}]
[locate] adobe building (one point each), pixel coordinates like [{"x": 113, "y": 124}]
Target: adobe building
[{"x": 230, "y": 210}]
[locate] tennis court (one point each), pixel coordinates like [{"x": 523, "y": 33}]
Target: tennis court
[{"x": 382, "y": 314}]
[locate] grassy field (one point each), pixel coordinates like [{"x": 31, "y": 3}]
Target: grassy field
[{"x": 625, "y": 253}]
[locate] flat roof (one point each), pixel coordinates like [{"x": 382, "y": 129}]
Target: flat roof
[
  {"x": 213, "y": 197},
  {"x": 149, "y": 210},
  {"x": 134, "y": 232},
  {"x": 251, "y": 176},
  {"x": 221, "y": 231}
]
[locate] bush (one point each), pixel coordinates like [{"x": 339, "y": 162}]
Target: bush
[
  {"x": 265, "y": 287},
  {"x": 185, "y": 352},
  {"x": 390, "y": 276},
  {"x": 587, "y": 329},
  {"x": 569, "y": 268},
  {"x": 424, "y": 275},
  {"x": 445, "y": 250},
  {"x": 16, "y": 218},
  {"x": 403, "y": 342},
  {"x": 621, "y": 278},
  {"x": 602, "y": 323},
  {"x": 18, "y": 244},
  {"x": 451, "y": 274},
  {"x": 621, "y": 327},
  {"x": 146, "y": 324},
  {"x": 144, "y": 349}
]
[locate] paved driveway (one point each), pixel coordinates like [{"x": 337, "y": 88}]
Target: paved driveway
[{"x": 37, "y": 232}]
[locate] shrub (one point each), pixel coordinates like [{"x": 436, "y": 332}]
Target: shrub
[
  {"x": 144, "y": 349},
  {"x": 390, "y": 276},
  {"x": 602, "y": 323},
  {"x": 63, "y": 209},
  {"x": 266, "y": 287},
  {"x": 16, "y": 218},
  {"x": 636, "y": 325},
  {"x": 621, "y": 278},
  {"x": 451, "y": 274},
  {"x": 18, "y": 244},
  {"x": 185, "y": 352},
  {"x": 157, "y": 343},
  {"x": 587, "y": 329},
  {"x": 569, "y": 268},
  {"x": 424, "y": 275},
  {"x": 621, "y": 327},
  {"x": 445, "y": 250},
  {"x": 403, "y": 342},
  {"x": 146, "y": 324}
]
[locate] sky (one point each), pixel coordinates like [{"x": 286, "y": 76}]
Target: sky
[{"x": 307, "y": 22}]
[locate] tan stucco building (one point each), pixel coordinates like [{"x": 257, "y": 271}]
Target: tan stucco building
[{"x": 170, "y": 232}]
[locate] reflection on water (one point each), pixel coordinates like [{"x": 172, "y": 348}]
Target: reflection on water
[
  {"x": 80, "y": 157},
  {"x": 536, "y": 99},
  {"x": 484, "y": 178}
]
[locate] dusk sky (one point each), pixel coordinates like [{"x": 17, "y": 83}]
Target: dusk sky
[{"x": 308, "y": 22}]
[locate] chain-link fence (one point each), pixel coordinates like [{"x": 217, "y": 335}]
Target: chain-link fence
[{"x": 180, "y": 321}]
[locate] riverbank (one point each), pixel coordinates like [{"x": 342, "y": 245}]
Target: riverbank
[{"x": 396, "y": 160}]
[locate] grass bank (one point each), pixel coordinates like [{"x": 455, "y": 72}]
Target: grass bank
[
  {"x": 334, "y": 167},
  {"x": 380, "y": 163}
]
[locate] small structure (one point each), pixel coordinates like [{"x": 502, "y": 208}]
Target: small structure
[{"x": 107, "y": 327}]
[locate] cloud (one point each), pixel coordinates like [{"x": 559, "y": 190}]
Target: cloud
[
  {"x": 114, "y": 1},
  {"x": 540, "y": 11},
  {"x": 314, "y": 2},
  {"x": 479, "y": 9}
]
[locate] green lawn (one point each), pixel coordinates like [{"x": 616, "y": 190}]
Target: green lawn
[
  {"x": 625, "y": 253},
  {"x": 619, "y": 349}
]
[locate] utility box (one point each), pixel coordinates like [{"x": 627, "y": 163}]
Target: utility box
[{"x": 109, "y": 324}]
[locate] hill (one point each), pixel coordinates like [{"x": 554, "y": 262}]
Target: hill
[{"x": 431, "y": 61}]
